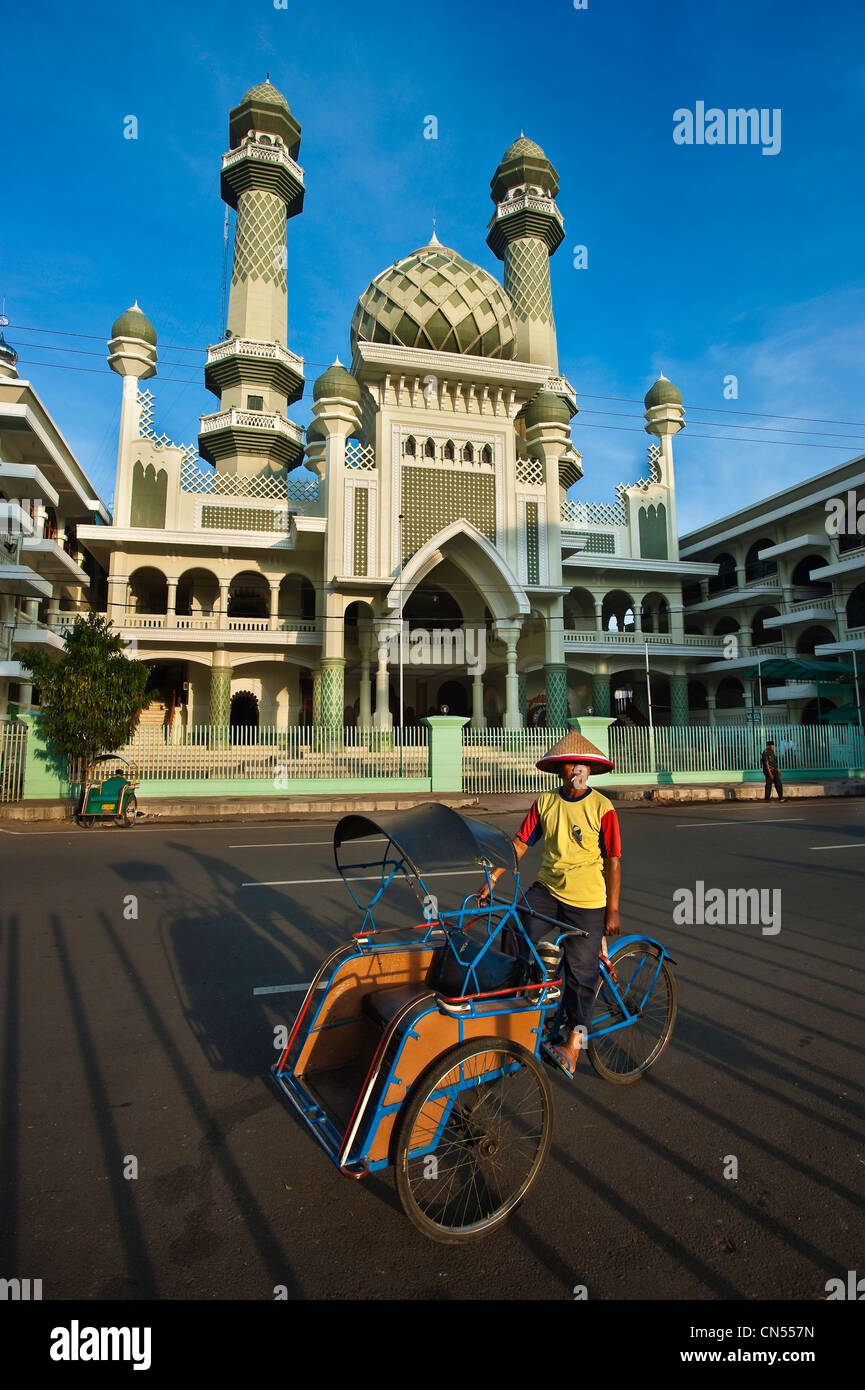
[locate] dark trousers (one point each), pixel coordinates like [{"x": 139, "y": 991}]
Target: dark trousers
[
  {"x": 773, "y": 779},
  {"x": 581, "y": 952}
]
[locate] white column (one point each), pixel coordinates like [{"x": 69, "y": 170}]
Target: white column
[
  {"x": 224, "y": 588},
  {"x": 509, "y": 632},
  {"x": 364, "y": 716},
  {"x": 382, "y": 712},
  {"x": 171, "y": 603},
  {"x": 478, "y": 720},
  {"x": 274, "y": 605}
]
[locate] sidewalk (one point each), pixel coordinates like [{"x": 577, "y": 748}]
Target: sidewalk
[{"x": 293, "y": 808}]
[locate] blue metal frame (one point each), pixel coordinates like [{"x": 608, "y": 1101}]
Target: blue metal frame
[{"x": 349, "y": 1151}]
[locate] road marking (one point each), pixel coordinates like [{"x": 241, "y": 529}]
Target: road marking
[
  {"x": 846, "y": 846},
  {"x": 289, "y": 989},
  {"x": 764, "y": 820},
  {"x": 297, "y": 844},
  {"x": 360, "y": 878}
]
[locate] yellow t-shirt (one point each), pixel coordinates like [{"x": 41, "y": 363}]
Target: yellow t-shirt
[{"x": 578, "y": 836}]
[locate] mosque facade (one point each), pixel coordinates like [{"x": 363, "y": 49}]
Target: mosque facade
[{"x": 266, "y": 575}]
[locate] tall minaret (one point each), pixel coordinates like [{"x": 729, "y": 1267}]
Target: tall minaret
[
  {"x": 524, "y": 231},
  {"x": 252, "y": 371}
]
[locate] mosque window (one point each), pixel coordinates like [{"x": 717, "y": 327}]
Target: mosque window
[
  {"x": 486, "y": 454},
  {"x": 429, "y": 449},
  {"x": 410, "y": 446},
  {"x": 468, "y": 453},
  {"x": 255, "y": 402},
  {"x": 448, "y": 451}
]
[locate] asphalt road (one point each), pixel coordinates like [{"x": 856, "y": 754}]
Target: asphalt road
[{"x": 139, "y": 1037}]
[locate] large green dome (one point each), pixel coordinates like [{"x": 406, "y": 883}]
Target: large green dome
[{"x": 437, "y": 300}]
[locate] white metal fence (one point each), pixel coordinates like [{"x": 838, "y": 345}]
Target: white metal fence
[
  {"x": 13, "y": 746},
  {"x": 503, "y": 760},
  {"x": 736, "y": 747},
  {"x": 278, "y": 755}
]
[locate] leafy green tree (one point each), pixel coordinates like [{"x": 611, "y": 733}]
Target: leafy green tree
[{"x": 91, "y": 699}]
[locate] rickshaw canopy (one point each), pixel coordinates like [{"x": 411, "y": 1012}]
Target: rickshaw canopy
[{"x": 428, "y": 838}]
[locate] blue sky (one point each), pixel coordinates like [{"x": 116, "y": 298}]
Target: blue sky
[{"x": 703, "y": 261}]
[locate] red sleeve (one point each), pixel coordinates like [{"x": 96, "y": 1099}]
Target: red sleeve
[
  {"x": 530, "y": 830},
  {"x": 610, "y": 840}
]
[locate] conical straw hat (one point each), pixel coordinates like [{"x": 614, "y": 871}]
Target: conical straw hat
[{"x": 574, "y": 748}]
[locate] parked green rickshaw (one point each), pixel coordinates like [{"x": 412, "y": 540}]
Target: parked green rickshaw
[{"x": 108, "y": 791}]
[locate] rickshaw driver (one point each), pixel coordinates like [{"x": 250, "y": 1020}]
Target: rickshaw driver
[{"x": 579, "y": 881}]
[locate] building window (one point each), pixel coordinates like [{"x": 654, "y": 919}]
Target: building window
[
  {"x": 448, "y": 451},
  {"x": 429, "y": 450},
  {"x": 255, "y": 402},
  {"x": 468, "y": 454},
  {"x": 486, "y": 454},
  {"x": 410, "y": 447}
]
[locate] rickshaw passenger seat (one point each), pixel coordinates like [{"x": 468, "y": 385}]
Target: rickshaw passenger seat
[{"x": 383, "y": 1005}]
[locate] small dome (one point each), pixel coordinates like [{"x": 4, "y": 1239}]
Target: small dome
[
  {"x": 314, "y": 433},
  {"x": 336, "y": 381},
  {"x": 663, "y": 393},
  {"x": 265, "y": 91},
  {"x": 546, "y": 408},
  {"x": 523, "y": 146},
  {"x": 7, "y": 353},
  {"x": 436, "y": 300},
  {"x": 134, "y": 324}
]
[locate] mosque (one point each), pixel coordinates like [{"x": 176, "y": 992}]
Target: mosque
[{"x": 264, "y": 575}]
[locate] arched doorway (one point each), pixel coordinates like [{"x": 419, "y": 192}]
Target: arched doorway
[
  {"x": 244, "y": 713},
  {"x": 454, "y": 695}
]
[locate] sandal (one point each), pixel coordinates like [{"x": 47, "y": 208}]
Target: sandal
[{"x": 560, "y": 1060}]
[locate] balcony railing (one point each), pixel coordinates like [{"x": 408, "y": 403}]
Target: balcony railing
[
  {"x": 252, "y": 420},
  {"x": 638, "y": 639},
  {"x": 253, "y": 347},
  {"x": 216, "y": 622}
]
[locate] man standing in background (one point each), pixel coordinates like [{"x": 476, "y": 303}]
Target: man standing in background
[{"x": 769, "y": 764}]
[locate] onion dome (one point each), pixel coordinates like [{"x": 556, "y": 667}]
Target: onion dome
[
  {"x": 663, "y": 393},
  {"x": 7, "y": 353},
  {"x": 546, "y": 408},
  {"x": 134, "y": 324},
  {"x": 265, "y": 109},
  {"x": 523, "y": 165},
  {"x": 336, "y": 381},
  {"x": 436, "y": 300}
]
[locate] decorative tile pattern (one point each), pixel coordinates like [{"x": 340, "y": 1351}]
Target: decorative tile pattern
[
  {"x": 434, "y": 497},
  {"x": 601, "y": 695},
  {"x": 531, "y": 471},
  {"x": 259, "y": 239},
  {"x": 220, "y": 696},
  {"x": 332, "y": 695},
  {"x": 557, "y": 696},
  {"x": 527, "y": 279},
  {"x": 361, "y": 513},
  {"x": 532, "y": 544}
]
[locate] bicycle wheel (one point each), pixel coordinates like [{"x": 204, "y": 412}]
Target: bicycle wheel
[
  {"x": 626, "y": 1053},
  {"x": 129, "y": 812},
  {"x": 472, "y": 1138}
]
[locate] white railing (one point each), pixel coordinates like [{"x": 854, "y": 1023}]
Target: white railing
[
  {"x": 225, "y": 485},
  {"x": 218, "y": 623},
  {"x": 359, "y": 455},
  {"x": 254, "y": 347},
  {"x": 503, "y": 760},
  {"x": 804, "y": 604},
  {"x": 268, "y": 154},
  {"x": 252, "y": 420},
  {"x": 736, "y": 747},
  {"x": 857, "y": 633},
  {"x": 594, "y": 514},
  {"x": 13, "y": 747},
  {"x": 278, "y": 756}
]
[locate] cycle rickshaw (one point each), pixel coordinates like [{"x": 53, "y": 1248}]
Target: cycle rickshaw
[
  {"x": 108, "y": 791},
  {"x": 422, "y": 1047}
]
